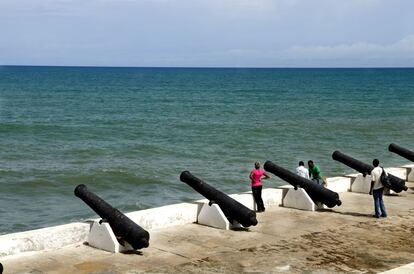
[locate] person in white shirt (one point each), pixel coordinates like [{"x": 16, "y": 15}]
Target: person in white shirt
[
  {"x": 377, "y": 190},
  {"x": 302, "y": 171}
]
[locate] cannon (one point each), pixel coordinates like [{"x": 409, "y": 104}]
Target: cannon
[
  {"x": 352, "y": 163},
  {"x": 1, "y": 268},
  {"x": 123, "y": 227},
  {"x": 403, "y": 152},
  {"x": 316, "y": 192},
  {"x": 233, "y": 210},
  {"x": 396, "y": 184}
]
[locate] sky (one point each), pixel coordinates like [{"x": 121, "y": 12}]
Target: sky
[{"x": 208, "y": 33}]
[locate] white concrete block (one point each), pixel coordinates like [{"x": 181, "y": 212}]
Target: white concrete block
[
  {"x": 360, "y": 183},
  {"x": 272, "y": 197},
  {"x": 213, "y": 216},
  {"x": 298, "y": 199},
  {"x": 405, "y": 269},
  {"x": 43, "y": 239},
  {"x": 245, "y": 199},
  {"x": 102, "y": 237},
  {"x": 410, "y": 175},
  {"x": 397, "y": 172},
  {"x": 165, "y": 216},
  {"x": 410, "y": 172},
  {"x": 339, "y": 184}
]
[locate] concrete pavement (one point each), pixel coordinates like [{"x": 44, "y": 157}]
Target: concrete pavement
[{"x": 342, "y": 239}]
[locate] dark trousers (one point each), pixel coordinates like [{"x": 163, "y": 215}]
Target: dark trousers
[
  {"x": 257, "y": 195},
  {"x": 318, "y": 180}
]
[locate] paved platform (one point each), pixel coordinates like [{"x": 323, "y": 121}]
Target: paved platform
[{"x": 342, "y": 239}]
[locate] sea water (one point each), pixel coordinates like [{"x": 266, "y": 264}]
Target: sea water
[{"x": 128, "y": 133}]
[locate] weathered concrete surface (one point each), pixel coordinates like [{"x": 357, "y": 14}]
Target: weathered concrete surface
[
  {"x": 43, "y": 239},
  {"x": 359, "y": 183},
  {"x": 339, "y": 184},
  {"x": 410, "y": 172},
  {"x": 298, "y": 199},
  {"x": 344, "y": 239}
]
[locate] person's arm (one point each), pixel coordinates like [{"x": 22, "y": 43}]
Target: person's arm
[
  {"x": 318, "y": 172},
  {"x": 372, "y": 183},
  {"x": 251, "y": 176},
  {"x": 266, "y": 176}
]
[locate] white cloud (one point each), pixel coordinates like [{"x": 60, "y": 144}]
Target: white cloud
[
  {"x": 401, "y": 48},
  {"x": 363, "y": 54}
]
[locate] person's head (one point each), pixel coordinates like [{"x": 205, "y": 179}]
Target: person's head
[
  {"x": 310, "y": 163},
  {"x": 301, "y": 163},
  {"x": 375, "y": 163},
  {"x": 257, "y": 165}
]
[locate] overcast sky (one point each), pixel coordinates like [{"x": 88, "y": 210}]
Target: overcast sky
[{"x": 213, "y": 33}]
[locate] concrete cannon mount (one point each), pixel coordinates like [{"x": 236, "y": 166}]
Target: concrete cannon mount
[{"x": 342, "y": 239}]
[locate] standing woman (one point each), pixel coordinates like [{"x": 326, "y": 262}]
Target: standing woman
[{"x": 255, "y": 177}]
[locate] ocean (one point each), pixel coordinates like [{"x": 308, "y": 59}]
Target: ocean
[{"x": 128, "y": 133}]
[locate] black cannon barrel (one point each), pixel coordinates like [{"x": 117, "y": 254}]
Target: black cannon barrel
[
  {"x": 123, "y": 227},
  {"x": 232, "y": 209},
  {"x": 397, "y": 184},
  {"x": 403, "y": 152},
  {"x": 316, "y": 192},
  {"x": 1, "y": 268},
  {"x": 352, "y": 163}
]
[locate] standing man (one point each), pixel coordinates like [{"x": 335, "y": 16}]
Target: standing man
[
  {"x": 302, "y": 171},
  {"x": 256, "y": 179},
  {"x": 377, "y": 189},
  {"x": 315, "y": 173}
]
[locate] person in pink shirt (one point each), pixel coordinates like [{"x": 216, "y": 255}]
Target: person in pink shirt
[{"x": 256, "y": 179}]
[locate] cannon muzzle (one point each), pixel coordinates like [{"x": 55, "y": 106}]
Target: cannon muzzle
[
  {"x": 233, "y": 210},
  {"x": 317, "y": 192},
  {"x": 403, "y": 152},
  {"x": 397, "y": 184},
  {"x": 123, "y": 227}
]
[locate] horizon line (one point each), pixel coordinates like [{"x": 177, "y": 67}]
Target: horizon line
[{"x": 208, "y": 67}]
